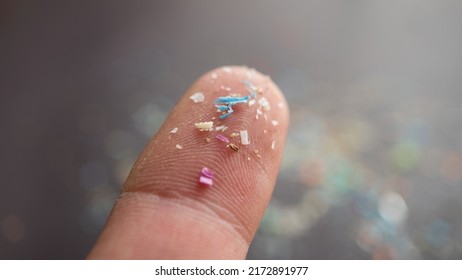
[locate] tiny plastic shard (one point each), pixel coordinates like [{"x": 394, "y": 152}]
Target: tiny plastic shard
[
  {"x": 263, "y": 102},
  {"x": 229, "y": 101},
  {"x": 222, "y": 138},
  {"x": 204, "y": 126},
  {"x": 259, "y": 112},
  {"x": 221, "y": 128},
  {"x": 232, "y": 99},
  {"x": 250, "y": 73},
  {"x": 179, "y": 147},
  {"x": 206, "y": 181},
  {"x": 273, "y": 144},
  {"x": 197, "y": 97},
  {"x": 251, "y": 89},
  {"x": 227, "y": 69},
  {"x": 244, "y": 137},
  {"x": 234, "y": 134},
  {"x": 206, "y": 177},
  {"x": 207, "y": 172},
  {"x": 175, "y": 130},
  {"x": 207, "y": 140},
  {"x": 233, "y": 147},
  {"x": 274, "y": 122},
  {"x": 252, "y": 102}
]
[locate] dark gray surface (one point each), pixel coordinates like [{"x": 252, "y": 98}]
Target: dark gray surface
[{"x": 374, "y": 156}]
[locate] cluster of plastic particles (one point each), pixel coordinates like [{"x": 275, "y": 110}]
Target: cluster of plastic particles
[{"x": 234, "y": 139}]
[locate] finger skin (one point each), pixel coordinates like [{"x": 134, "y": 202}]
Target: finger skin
[{"x": 163, "y": 211}]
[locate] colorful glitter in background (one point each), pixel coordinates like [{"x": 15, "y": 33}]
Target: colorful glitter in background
[{"x": 373, "y": 162}]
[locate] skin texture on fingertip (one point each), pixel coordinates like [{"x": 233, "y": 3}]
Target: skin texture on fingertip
[{"x": 165, "y": 213}]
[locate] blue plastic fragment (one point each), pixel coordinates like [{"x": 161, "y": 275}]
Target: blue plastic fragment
[
  {"x": 232, "y": 99},
  {"x": 229, "y": 101},
  {"x": 225, "y": 115},
  {"x": 222, "y": 107},
  {"x": 250, "y": 88}
]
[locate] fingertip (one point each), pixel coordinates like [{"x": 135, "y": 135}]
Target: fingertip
[{"x": 244, "y": 151}]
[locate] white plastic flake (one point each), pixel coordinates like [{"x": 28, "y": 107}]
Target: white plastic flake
[
  {"x": 175, "y": 130},
  {"x": 263, "y": 102},
  {"x": 204, "y": 126},
  {"x": 221, "y": 128},
  {"x": 197, "y": 97},
  {"x": 244, "y": 137},
  {"x": 227, "y": 69}
]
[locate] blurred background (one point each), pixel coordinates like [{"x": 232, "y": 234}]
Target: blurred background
[{"x": 373, "y": 163}]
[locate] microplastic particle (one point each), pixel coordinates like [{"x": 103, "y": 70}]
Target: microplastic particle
[
  {"x": 221, "y": 128},
  {"x": 207, "y": 140},
  {"x": 251, "y": 88},
  {"x": 232, "y": 99},
  {"x": 259, "y": 112},
  {"x": 206, "y": 177},
  {"x": 221, "y": 108},
  {"x": 274, "y": 122},
  {"x": 227, "y": 69},
  {"x": 222, "y": 138},
  {"x": 263, "y": 102},
  {"x": 244, "y": 137},
  {"x": 234, "y": 134},
  {"x": 174, "y": 130},
  {"x": 179, "y": 147},
  {"x": 233, "y": 147},
  {"x": 250, "y": 73},
  {"x": 229, "y": 101},
  {"x": 206, "y": 181},
  {"x": 197, "y": 97},
  {"x": 207, "y": 172},
  {"x": 252, "y": 102},
  {"x": 204, "y": 126},
  {"x": 273, "y": 144},
  {"x": 224, "y": 116}
]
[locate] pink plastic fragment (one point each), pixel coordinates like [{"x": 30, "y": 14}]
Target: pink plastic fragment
[
  {"x": 206, "y": 181},
  {"x": 207, "y": 172},
  {"x": 222, "y": 138},
  {"x": 207, "y": 177}
]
